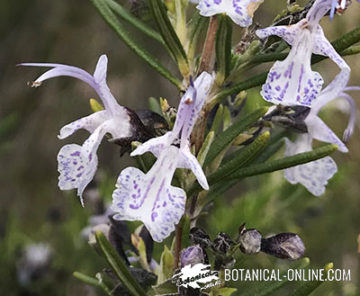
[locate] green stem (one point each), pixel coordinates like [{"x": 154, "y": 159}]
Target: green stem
[
  {"x": 92, "y": 282},
  {"x": 209, "y": 46}
]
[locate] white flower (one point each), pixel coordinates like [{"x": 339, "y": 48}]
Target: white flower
[
  {"x": 150, "y": 197},
  {"x": 77, "y": 164},
  {"x": 292, "y": 82},
  {"x": 315, "y": 175}
]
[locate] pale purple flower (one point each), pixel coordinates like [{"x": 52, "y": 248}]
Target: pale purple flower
[
  {"x": 292, "y": 81},
  {"x": 77, "y": 164},
  {"x": 150, "y": 197},
  {"x": 315, "y": 175},
  {"x": 338, "y": 4},
  {"x": 240, "y": 11}
]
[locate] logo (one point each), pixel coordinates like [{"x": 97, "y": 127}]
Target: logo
[{"x": 198, "y": 276}]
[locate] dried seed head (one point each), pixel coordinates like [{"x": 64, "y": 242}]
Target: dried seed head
[
  {"x": 222, "y": 243},
  {"x": 200, "y": 237},
  {"x": 284, "y": 246}
]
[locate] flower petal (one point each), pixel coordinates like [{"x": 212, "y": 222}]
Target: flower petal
[
  {"x": 189, "y": 161},
  {"x": 101, "y": 69},
  {"x": 77, "y": 164},
  {"x": 318, "y": 130},
  {"x": 322, "y": 46},
  {"x": 103, "y": 90},
  {"x": 318, "y": 10},
  {"x": 288, "y": 33},
  {"x": 313, "y": 175},
  {"x": 150, "y": 198},
  {"x": 97, "y": 82},
  {"x": 240, "y": 11},
  {"x": 352, "y": 120},
  {"x": 89, "y": 123},
  {"x": 331, "y": 91},
  {"x": 62, "y": 70},
  {"x": 292, "y": 82}
]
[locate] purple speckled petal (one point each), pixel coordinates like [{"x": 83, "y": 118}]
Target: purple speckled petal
[
  {"x": 240, "y": 11},
  {"x": 189, "y": 161},
  {"x": 322, "y": 46},
  {"x": 318, "y": 10},
  {"x": 352, "y": 119},
  {"x": 331, "y": 91},
  {"x": 318, "y": 130},
  {"x": 292, "y": 82},
  {"x": 314, "y": 175},
  {"x": 150, "y": 198},
  {"x": 288, "y": 33},
  {"x": 77, "y": 164},
  {"x": 90, "y": 123}
]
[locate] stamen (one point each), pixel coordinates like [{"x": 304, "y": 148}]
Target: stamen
[
  {"x": 188, "y": 101},
  {"x": 34, "y": 84}
]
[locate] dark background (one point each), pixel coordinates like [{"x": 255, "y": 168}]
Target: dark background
[{"x": 33, "y": 209}]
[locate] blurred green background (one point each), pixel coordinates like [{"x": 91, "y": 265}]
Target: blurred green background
[{"x": 34, "y": 210}]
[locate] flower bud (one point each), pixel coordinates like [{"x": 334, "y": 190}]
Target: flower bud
[
  {"x": 250, "y": 241},
  {"x": 284, "y": 246},
  {"x": 191, "y": 256}
]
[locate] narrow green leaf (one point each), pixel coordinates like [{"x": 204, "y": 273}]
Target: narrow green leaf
[
  {"x": 284, "y": 163},
  {"x": 238, "y": 87},
  {"x": 166, "y": 288},
  {"x": 306, "y": 288},
  {"x": 119, "y": 29},
  {"x": 93, "y": 282},
  {"x": 166, "y": 265},
  {"x": 217, "y": 119},
  {"x": 225, "y": 138},
  {"x": 198, "y": 26},
  {"x": 185, "y": 238},
  {"x": 241, "y": 158},
  {"x": 169, "y": 35},
  {"x": 118, "y": 265},
  {"x": 259, "y": 168},
  {"x": 223, "y": 49},
  {"x": 154, "y": 105},
  {"x": 144, "y": 161},
  {"x": 351, "y": 50},
  {"x": 86, "y": 279},
  {"x": 223, "y": 291},
  {"x": 269, "y": 151},
  {"x": 204, "y": 150},
  {"x": 136, "y": 22},
  {"x": 347, "y": 40},
  {"x": 268, "y": 288},
  {"x": 227, "y": 120}
]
